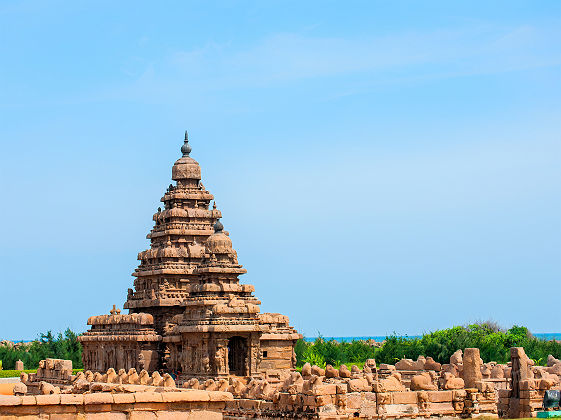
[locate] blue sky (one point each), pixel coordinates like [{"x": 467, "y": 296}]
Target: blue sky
[{"x": 381, "y": 166}]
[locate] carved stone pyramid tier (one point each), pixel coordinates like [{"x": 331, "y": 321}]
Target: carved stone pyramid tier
[
  {"x": 218, "y": 334},
  {"x": 192, "y": 314},
  {"x": 177, "y": 243}
]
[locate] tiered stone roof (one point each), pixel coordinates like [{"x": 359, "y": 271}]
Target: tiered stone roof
[
  {"x": 217, "y": 301},
  {"x": 177, "y": 240}
]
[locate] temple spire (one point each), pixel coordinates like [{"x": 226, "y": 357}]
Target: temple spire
[{"x": 186, "y": 148}]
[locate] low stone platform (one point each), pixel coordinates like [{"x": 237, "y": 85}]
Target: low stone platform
[{"x": 203, "y": 405}]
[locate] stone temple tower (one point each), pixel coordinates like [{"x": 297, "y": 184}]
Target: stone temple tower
[
  {"x": 188, "y": 312},
  {"x": 177, "y": 245}
]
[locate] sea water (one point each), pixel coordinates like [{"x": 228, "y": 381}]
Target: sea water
[{"x": 380, "y": 338}]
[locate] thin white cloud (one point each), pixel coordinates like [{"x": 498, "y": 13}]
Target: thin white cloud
[
  {"x": 351, "y": 65},
  {"x": 289, "y": 58}
]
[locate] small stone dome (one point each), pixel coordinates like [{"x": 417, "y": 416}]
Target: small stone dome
[
  {"x": 186, "y": 168},
  {"x": 219, "y": 242}
]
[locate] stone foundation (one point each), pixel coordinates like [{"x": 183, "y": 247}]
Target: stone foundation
[
  {"x": 373, "y": 393},
  {"x": 201, "y": 405},
  {"x": 409, "y": 404}
]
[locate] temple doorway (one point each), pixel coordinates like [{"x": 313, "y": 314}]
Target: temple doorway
[{"x": 237, "y": 354}]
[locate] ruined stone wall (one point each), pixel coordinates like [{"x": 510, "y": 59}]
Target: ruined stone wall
[
  {"x": 465, "y": 387},
  {"x": 340, "y": 393},
  {"x": 529, "y": 384},
  {"x": 276, "y": 354}
]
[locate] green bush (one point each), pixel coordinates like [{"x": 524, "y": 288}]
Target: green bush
[
  {"x": 62, "y": 346},
  {"x": 322, "y": 352},
  {"x": 493, "y": 342}
]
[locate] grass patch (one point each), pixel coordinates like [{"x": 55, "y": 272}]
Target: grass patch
[{"x": 16, "y": 373}]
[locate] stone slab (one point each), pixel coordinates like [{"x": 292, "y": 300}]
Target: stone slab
[{"x": 407, "y": 397}]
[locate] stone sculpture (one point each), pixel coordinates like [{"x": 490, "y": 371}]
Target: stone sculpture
[
  {"x": 449, "y": 381},
  {"x": 344, "y": 371},
  {"x": 390, "y": 384},
  {"x": 423, "y": 382},
  {"x": 306, "y": 370},
  {"x": 318, "y": 371},
  {"x": 331, "y": 372}
]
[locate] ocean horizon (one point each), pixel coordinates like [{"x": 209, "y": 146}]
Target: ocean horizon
[
  {"x": 380, "y": 338},
  {"x": 377, "y": 338}
]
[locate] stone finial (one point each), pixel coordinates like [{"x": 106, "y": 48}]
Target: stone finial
[
  {"x": 186, "y": 148},
  {"x": 214, "y": 205},
  {"x": 218, "y": 226},
  {"x": 115, "y": 311}
]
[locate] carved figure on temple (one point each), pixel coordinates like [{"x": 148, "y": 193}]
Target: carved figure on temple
[{"x": 220, "y": 359}]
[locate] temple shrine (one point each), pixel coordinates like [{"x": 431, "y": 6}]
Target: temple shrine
[{"x": 188, "y": 312}]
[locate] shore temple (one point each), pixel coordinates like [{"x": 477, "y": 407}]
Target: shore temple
[{"x": 188, "y": 312}]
